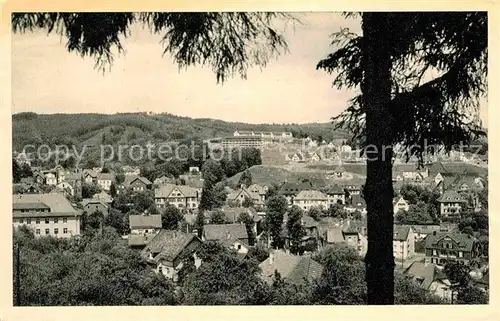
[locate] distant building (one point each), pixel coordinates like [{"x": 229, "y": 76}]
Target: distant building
[
  {"x": 335, "y": 195},
  {"x": 403, "y": 242},
  {"x": 264, "y": 134},
  {"x": 400, "y": 204},
  {"x": 131, "y": 170},
  {"x": 348, "y": 236},
  {"x": 182, "y": 197},
  {"x": 46, "y": 214},
  {"x": 431, "y": 278},
  {"x": 451, "y": 203},
  {"x": 441, "y": 247},
  {"x": 223, "y": 232},
  {"x": 166, "y": 250},
  {"x": 306, "y": 199},
  {"x": 294, "y": 269},
  {"x": 241, "y": 142},
  {"x": 290, "y": 189},
  {"x": 243, "y": 193},
  {"x": 92, "y": 205},
  {"x": 357, "y": 203},
  {"x": 144, "y": 224}
]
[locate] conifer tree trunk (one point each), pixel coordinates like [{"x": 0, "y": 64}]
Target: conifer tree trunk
[{"x": 378, "y": 191}]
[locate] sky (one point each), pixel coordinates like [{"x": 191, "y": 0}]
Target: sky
[{"x": 48, "y": 79}]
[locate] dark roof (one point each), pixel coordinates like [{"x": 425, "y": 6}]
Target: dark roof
[
  {"x": 309, "y": 222},
  {"x": 450, "y": 196},
  {"x": 401, "y": 232},
  {"x": 335, "y": 189},
  {"x": 294, "y": 269},
  {"x": 145, "y": 221},
  {"x": 464, "y": 241},
  {"x": 290, "y": 188},
  {"x": 142, "y": 179},
  {"x": 167, "y": 245},
  {"x": 57, "y": 203},
  {"x": 219, "y": 232},
  {"x": 424, "y": 273},
  {"x": 30, "y": 206}
]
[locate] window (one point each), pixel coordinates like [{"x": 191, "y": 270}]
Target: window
[
  {"x": 460, "y": 254},
  {"x": 37, "y": 231},
  {"x": 21, "y": 221},
  {"x": 46, "y": 221},
  {"x": 56, "y": 231},
  {"x": 56, "y": 220},
  {"x": 47, "y": 231},
  {"x": 239, "y": 246},
  {"x": 65, "y": 220},
  {"x": 28, "y": 221},
  {"x": 434, "y": 252},
  {"x": 37, "y": 221}
]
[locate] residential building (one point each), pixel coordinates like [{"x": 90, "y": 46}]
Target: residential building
[
  {"x": 66, "y": 188},
  {"x": 46, "y": 214},
  {"x": 139, "y": 184},
  {"x": 335, "y": 195},
  {"x": 295, "y": 157},
  {"x": 431, "y": 278},
  {"x": 349, "y": 236},
  {"x": 306, "y": 199},
  {"x": 258, "y": 190},
  {"x": 292, "y": 268},
  {"x": 165, "y": 252},
  {"x": 421, "y": 231},
  {"x": 92, "y": 205},
  {"x": 400, "y": 204},
  {"x": 311, "y": 239},
  {"x": 104, "y": 180},
  {"x": 223, "y": 232},
  {"x": 441, "y": 247},
  {"x": 290, "y": 189},
  {"x": 243, "y": 193},
  {"x": 144, "y": 224},
  {"x": 89, "y": 177},
  {"x": 131, "y": 170},
  {"x": 451, "y": 203},
  {"x": 164, "y": 180},
  {"x": 357, "y": 203},
  {"x": 403, "y": 242},
  {"x": 182, "y": 197},
  {"x": 50, "y": 179},
  {"x": 103, "y": 196}
]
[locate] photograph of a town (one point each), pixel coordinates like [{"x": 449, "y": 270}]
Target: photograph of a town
[{"x": 249, "y": 158}]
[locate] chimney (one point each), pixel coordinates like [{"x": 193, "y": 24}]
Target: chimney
[{"x": 271, "y": 258}]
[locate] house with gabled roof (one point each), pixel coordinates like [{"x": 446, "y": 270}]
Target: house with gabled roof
[
  {"x": 442, "y": 247},
  {"x": 357, "y": 203},
  {"x": 400, "y": 204},
  {"x": 451, "y": 203},
  {"x": 49, "y": 214},
  {"x": 221, "y": 232},
  {"x": 166, "y": 252},
  {"x": 430, "y": 278},
  {"x": 93, "y": 205},
  {"x": 103, "y": 196},
  {"x": 294, "y": 269},
  {"x": 335, "y": 194},
  {"x": 308, "y": 198},
  {"x": 181, "y": 196},
  {"x": 104, "y": 180},
  {"x": 403, "y": 242},
  {"x": 290, "y": 189},
  {"x": 295, "y": 157},
  {"x": 243, "y": 193},
  {"x": 144, "y": 224}
]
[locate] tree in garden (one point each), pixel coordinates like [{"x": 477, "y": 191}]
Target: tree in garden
[
  {"x": 89, "y": 190},
  {"x": 119, "y": 178},
  {"x": 116, "y": 219},
  {"x": 295, "y": 229},
  {"x": 217, "y": 217},
  {"x": 337, "y": 211},
  {"x": 200, "y": 222},
  {"x": 170, "y": 217},
  {"x": 246, "y": 219},
  {"x": 276, "y": 209},
  {"x": 16, "y": 172},
  {"x": 314, "y": 212},
  {"x": 342, "y": 279},
  {"x": 112, "y": 189},
  {"x": 392, "y": 63},
  {"x": 248, "y": 202},
  {"x": 245, "y": 178}
]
